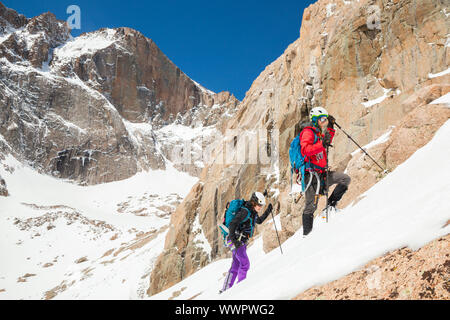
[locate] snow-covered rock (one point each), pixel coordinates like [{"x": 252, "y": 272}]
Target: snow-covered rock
[{"x": 3, "y": 188}]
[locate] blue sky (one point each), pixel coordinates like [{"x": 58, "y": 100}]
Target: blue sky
[{"x": 223, "y": 45}]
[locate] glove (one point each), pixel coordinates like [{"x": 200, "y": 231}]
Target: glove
[
  {"x": 233, "y": 243},
  {"x": 269, "y": 209},
  {"x": 331, "y": 121},
  {"x": 326, "y": 140},
  {"x": 237, "y": 243}
]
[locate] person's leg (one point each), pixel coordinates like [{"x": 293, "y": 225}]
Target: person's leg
[
  {"x": 233, "y": 272},
  {"x": 310, "y": 208},
  {"x": 244, "y": 262},
  {"x": 227, "y": 282},
  {"x": 343, "y": 181}
]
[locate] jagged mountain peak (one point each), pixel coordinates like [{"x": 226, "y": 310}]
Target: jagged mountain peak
[
  {"x": 31, "y": 41},
  {"x": 88, "y": 108},
  {"x": 11, "y": 17}
]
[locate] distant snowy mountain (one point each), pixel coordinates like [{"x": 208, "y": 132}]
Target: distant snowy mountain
[
  {"x": 88, "y": 108},
  {"x": 404, "y": 209}
]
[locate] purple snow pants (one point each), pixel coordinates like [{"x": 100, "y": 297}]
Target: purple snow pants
[{"x": 239, "y": 267}]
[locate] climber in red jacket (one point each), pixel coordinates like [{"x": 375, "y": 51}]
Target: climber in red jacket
[
  {"x": 316, "y": 152},
  {"x": 314, "y": 140}
]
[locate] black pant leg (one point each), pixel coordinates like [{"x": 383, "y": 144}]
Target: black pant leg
[
  {"x": 310, "y": 208},
  {"x": 343, "y": 181}
]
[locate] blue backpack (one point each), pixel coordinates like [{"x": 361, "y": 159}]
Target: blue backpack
[
  {"x": 232, "y": 208},
  {"x": 298, "y": 161}
]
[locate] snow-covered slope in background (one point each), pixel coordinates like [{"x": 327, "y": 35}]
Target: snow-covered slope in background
[
  {"x": 67, "y": 241},
  {"x": 445, "y": 99},
  {"x": 406, "y": 208},
  {"x": 87, "y": 43}
]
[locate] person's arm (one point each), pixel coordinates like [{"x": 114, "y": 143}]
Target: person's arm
[
  {"x": 238, "y": 218},
  {"x": 330, "y": 129},
  {"x": 260, "y": 219},
  {"x": 328, "y": 138}
]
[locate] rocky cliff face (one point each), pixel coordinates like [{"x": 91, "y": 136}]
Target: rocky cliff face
[
  {"x": 89, "y": 108},
  {"x": 374, "y": 65}
]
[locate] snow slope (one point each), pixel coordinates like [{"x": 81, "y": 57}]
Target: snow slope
[
  {"x": 87, "y": 242},
  {"x": 445, "y": 99},
  {"x": 382, "y": 139},
  {"x": 87, "y": 43},
  {"x": 407, "y": 208},
  {"x": 440, "y": 74},
  {"x": 378, "y": 100}
]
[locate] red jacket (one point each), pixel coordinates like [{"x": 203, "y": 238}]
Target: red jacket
[{"x": 314, "y": 153}]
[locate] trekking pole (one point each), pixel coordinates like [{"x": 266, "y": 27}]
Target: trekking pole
[
  {"x": 273, "y": 218},
  {"x": 384, "y": 170},
  {"x": 326, "y": 185},
  {"x": 279, "y": 243}
]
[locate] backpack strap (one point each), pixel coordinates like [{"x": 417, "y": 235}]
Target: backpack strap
[
  {"x": 316, "y": 138},
  {"x": 308, "y": 166},
  {"x": 249, "y": 216}
]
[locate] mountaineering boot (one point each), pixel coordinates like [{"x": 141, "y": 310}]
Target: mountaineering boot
[
  {"x": 333, "y": 200},
  {"x": 308, "y": 220}
]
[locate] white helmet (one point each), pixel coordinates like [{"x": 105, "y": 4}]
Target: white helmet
[
  {"x": 258, "y": 198},
  {"x": 317, "y": 112}
]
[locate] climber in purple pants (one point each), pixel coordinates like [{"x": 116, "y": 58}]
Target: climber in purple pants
[
  {"x": 239, "y": 267},
  {"x": 241, "y": 230}
]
